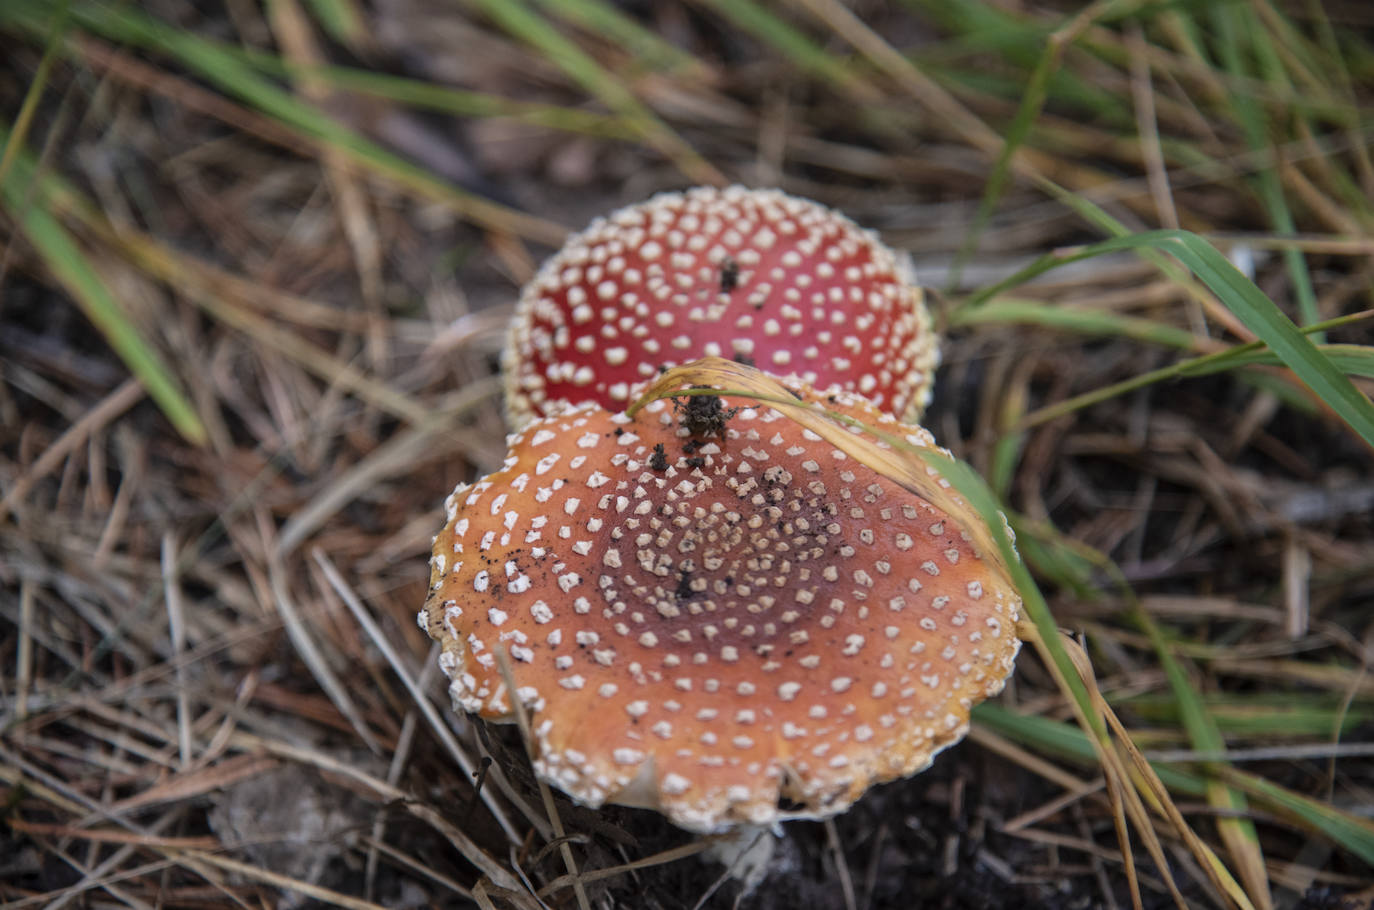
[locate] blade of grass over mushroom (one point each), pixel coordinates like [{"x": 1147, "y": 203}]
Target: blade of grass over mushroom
[
  {"x": 225, "y": 69},
  {"x": 1237, "y": 831},
  {"x": 64, "y": 257},
  {"x": 1247, "y": 301},
  {"x": 909, "y": 466},
  {"x": 516, "y": 18},
  {"x": 726, "y": 377}
]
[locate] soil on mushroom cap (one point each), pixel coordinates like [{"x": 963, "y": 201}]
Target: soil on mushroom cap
[{"x": 703, "y": 415}]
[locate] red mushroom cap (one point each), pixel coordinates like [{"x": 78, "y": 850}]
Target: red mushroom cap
[
  {"x": 757, "y": 275},
  {"x": 716, "y": 612}
]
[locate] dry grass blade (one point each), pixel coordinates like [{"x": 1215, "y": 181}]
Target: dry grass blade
[
  {"x": 397, "y": 456},
  {"x": 383, "y": 644},
  {"x": 1128, "y": 809},
  {"x": 648, "y": 862},
  {"x": 194, "y": 858},
  {"x": 103, "y": 836},
  {"x": 24, "y": 658},
  {"x": 551, "y": 808},
  {"x": 298, "y": 42},
  {"x": 176, "y": 622},
  {"x": 298, "y": 628},
  {"x": 841, "y": 866},
  {"x": 78, "y": 434},
  {"x": 1046, "y": 769},
  {"x": 197, "y": 782},
  {"x": 455, "y": 835}
]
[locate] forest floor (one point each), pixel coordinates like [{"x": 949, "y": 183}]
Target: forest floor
[{"x": 256, "y": 265}]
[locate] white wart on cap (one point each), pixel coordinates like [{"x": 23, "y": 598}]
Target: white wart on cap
[
  {"x": 780, "y": 282},
  {"x": 729, "y": 621}
]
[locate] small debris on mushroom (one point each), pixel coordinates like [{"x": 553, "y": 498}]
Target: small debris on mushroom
[
  {"x": 760, "y": 629},
  {"x": 703, "y": 415},
  {"x": 755, "y": 275}
]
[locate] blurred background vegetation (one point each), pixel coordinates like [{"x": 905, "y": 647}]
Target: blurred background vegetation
[{"x": 256, "y": 260}]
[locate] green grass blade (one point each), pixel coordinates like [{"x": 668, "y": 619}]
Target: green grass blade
[
  {"x": 1078, "y": 320},
  {"x": 1350, "y": 359},
  {"x": 1350, "y": 831},
  {"x": 1233, "y": 27},
  {"x": 1237, "y": 831},
  {"x": 1068, "y": 741},
  {"x": 1232, "y": 358},
  {"x": 225, "y": 68},
  {"x": 69, "y": 265},
  {"x": 19, "y": 134},
  {"x": 1276, "y": 330},
  {"x": 517, "y": 19},
  {"x": 1240, "y": 295},
  {"x": 976, "y": 492},
  {"x": 443, "y": 98},
  {"x": 1266, "y": 717},
  {"x": 1098, "y": 217},
  {"x": 795, "y": 45},
  {"x": 340, "y": 19},
  {"x": 1054, "y": 556},
  {"x": 650, "y": 51},
  {"x": 1033, "y": 100}
]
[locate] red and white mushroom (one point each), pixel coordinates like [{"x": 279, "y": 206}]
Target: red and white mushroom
[
  {"x": 712, "y": 611},
  {"x": 755, "y": 275}
]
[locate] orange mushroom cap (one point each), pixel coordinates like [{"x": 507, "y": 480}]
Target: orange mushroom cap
[
  {"x": 771, "y": 279},
  {"x": 731, "y": 628}
]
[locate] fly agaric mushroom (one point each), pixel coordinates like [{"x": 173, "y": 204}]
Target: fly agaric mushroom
[
  {"x": 766, "y": 278},
  {"x": 730, "y": 620}
]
